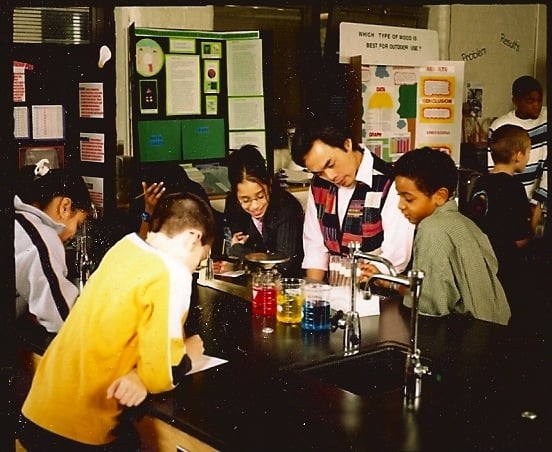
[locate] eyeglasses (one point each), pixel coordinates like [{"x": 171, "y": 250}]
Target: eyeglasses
[{"x": 246, "y": 202}]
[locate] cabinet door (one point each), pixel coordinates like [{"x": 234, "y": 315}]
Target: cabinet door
[{"x": 158, "y": 436}]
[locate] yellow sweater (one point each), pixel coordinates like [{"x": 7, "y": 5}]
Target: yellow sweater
[{"x": 130, "y": 315}]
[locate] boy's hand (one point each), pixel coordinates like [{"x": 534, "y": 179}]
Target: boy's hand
[
  {"x": 536, "y": 215},
  {"x": 367, "y": 270},
  {"x": 152, "y": 194},
  {"x": 194, "y": 347},
  {"x": 128, "y": 390}
]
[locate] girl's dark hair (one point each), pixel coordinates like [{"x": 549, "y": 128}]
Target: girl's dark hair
[
  {"x": 40, "y": 190},
  {"x": 177, "y": 212},
  {"x": 247, "y": 163}
]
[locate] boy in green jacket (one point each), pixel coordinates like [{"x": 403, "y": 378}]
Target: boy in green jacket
[{"x": 457, "y": 258}]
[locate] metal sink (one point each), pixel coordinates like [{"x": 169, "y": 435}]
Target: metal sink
[{"x": 368, "y": 373}]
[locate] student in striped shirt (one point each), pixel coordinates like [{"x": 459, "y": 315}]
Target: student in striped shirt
[
  {"x": 531, "y": 115},
  {"x": 50, "y": 205}
]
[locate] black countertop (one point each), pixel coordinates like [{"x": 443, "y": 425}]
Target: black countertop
[{"x": 484, "y": 376}]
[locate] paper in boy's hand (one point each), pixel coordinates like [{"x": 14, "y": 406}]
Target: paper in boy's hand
[
  {"x": 205, "y": 362},
  {"x": 231, "y": 273}
]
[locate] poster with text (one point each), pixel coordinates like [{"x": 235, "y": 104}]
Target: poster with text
[
  {"x": 388, "y": 109},
  {"x": 92, "y": 147},
  {"x": 440, "y": 97},
  {"x": 48, "y": 122},
  {"x": 96, "y": 190},
  {"x": 385, "y": 45},
  {"x": 91, "y": 103},
  {"x": 183, "y": 85}
]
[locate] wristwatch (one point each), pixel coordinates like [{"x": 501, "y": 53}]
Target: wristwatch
[{"x": 144, "y": 216}]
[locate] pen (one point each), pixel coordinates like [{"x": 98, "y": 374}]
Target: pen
[{"x": 144, "y": 193}]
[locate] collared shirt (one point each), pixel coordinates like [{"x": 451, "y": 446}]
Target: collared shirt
[
  {"x": 397, "y": 230},
  {"x": 460, "y": 268},
  {"x": 258, "y": 224}
]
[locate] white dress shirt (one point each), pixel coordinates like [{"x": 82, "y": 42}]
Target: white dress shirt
[{"x": 398, "y": 232}]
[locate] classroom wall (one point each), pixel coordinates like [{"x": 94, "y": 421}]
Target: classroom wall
[
  {"x": 466, "y": 32},
  {"x": 498, "y": 44}
]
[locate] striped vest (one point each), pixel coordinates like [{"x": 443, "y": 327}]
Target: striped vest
[{"x": 361, "y": 223}]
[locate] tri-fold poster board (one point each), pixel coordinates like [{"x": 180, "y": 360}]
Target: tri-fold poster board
[
  {"x": 196, "y": 94},
  {"x": 410, "y": 98}
]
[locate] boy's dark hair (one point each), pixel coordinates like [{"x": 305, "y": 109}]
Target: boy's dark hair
[
  {"x": 177, "y": 212},
  {"x": 40, "y": 190},
  {"x": 506, "y": 141},
  {"x": 333, "y": 133},
  {"x": 247, "y": 163},
  {"x": 524, "y": 85},
  {"x": 430, "y": 169}
]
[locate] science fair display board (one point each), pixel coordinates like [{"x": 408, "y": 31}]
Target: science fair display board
[
  {"x": 195, "y": 94},
  {"x": 409, "y": 98}
]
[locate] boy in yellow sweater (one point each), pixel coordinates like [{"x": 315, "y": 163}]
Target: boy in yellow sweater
[{"x": 124, "y": 336}]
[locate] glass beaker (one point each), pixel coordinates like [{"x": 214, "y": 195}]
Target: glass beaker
[
  {"x": 290, "y": 300},
  {"x": 264, "y": 287},
  {"x": 316, "y": 307}
]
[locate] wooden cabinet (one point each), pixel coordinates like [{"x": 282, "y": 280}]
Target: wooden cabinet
[{"x": 158, "y": 436}]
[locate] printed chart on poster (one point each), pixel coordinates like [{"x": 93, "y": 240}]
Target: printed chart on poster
[
  {"x": 409, "y": 98},
  {"x": 388, "y": 109}
]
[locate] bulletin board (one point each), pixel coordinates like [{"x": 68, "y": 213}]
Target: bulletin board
[{"x": 195, "y": 94}]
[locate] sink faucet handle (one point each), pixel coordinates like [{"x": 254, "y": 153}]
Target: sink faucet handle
[
  {"x": 337, "y": 321},
  {"x": 353, "y": 246},
  {"x": 414, "y": 373}
]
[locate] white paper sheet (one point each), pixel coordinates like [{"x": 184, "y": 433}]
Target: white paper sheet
[
  {"x": 231, "y": 273},
  {"x": 205, "y": 362},
  {"x": 340, "y": 299}
]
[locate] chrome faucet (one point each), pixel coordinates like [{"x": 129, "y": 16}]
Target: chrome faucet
[
  {"x": 414, "y": 370},
  {"x": 85, "y": 265},
  {"x": 209, "y": 271},
  {"x": 351, "y": 323}
]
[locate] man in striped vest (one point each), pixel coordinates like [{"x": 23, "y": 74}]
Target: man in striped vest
[{"x": 352, "y": 198}]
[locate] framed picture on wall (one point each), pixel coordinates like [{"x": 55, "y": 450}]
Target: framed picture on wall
[{"x": 33, "y": 154}]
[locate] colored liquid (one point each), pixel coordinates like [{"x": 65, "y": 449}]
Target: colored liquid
[
  {"x": 316, "y": 315},
  {"x": 289, "y": 307},
  {"x": 264, "y": 300}
]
